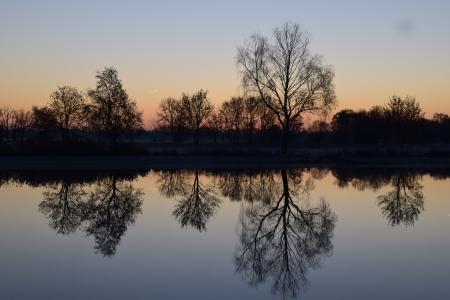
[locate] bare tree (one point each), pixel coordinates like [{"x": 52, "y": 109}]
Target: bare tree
[
  {"x": 67, "y": 104},
  {"x": 171, "y": 116},
  {"x": 43, "y": 120},
  {"x": 21, "y": 122},
  {"x": 403, "y": 109},
  {"x": 197, "y": 109},
  {"x": 232, "y": 112},
  {"x": 6, "y": 119},
  {"x": 111, "y": 110},
  {"x": 288, "y": 78}
]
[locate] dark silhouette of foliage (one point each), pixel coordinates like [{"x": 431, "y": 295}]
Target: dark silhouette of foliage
[
  {"x": 44, "y": 120},
  {"x": 111, "y": 110},
  {"x": 67, "y": 105},
  {"x": 171, "y": 117},
  {"x": 197, "y": 109}
]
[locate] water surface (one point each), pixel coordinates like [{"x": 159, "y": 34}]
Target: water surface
[{"x": 196, "y": 234}]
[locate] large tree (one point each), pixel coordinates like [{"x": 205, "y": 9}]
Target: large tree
[
  {"x": 67, "y": 104},
  {"x": 111, "y": 110},
  {"x": 289, "y": 79}
]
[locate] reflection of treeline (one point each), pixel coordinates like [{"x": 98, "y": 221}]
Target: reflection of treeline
[
  {"x": 235, "y": 184},
  {"x": 281, "y": 233},
  {"x": 37, "y": 178}
]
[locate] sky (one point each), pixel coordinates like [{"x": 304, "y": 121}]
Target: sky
[{"x": 165, "y": 48}]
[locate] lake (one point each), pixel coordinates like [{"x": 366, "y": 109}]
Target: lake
[{"x": 342, "y": 233}]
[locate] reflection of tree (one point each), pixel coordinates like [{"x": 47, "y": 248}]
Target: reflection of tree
[
  {"x": 106, "y": 211},
  {"x": 63, "y": 205},
  {"x": 282, "y": 239},
  {"x": 112, "y": 207},
  {"x": 172, "y": 183},
  {"x": 197, "y": 206},
  {"x": 405, "y": 202},
  {"x": 261, "y": 186}
]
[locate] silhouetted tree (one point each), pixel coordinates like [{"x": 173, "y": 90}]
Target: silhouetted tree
[
  {"x": 111, "y": 110},
  {"x": 404, "y": 203},
  {"x": 197, "y": 109},
  {"x": 43, "y": 120},
  {"x": 112, "y": 207},
  {"x": 288, "y": 78},
  {"x": 6, "y": 119},
  {"x": 64, "y": 204},
  {"x": 67, "y": 105},
  {"x": 197, "y": 206},
  {"x": 282, "y": 239},
  {"x": 251, "y": 111},
  {"x": 171, "y": 116},
  {"x": 22, "y": 121},
  {"x": 232, "y": 114},
  {"x": 403, "y": 109}
]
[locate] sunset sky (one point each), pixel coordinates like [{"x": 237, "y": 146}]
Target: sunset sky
[{"x": 164, "y": 48}]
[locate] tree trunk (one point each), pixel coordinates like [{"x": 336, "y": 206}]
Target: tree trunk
[
  {"x": 197, "y": 138},
  {"x": 284, "y": 140}
]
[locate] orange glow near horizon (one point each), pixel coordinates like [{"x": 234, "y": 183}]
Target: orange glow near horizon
[{"x": 165, "y": 49}]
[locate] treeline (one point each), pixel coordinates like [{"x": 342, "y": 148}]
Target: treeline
[
  {"x": 400, "y": 121},
  {"x": 104, "y": 113},
  {"x": 247, "y": 120},
  {"x": 235, "y": 121}
]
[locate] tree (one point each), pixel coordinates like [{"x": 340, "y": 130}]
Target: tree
[
  {"x": 197, "y": 109},
  {"x": 232, "y": 112},
  {"x": 21, "y": 122},
  {"x": 289, "y": 80},
  {"x": 171, "y": 116},
  {"x": 111, "y": 110},
  {"x": 6, "y": 119},
  {"x": 403, "y": 109},
  {"x": 43, "y": 120},
  {"x": 67, "y": 105},
  {"x": 251, "y": 110}
]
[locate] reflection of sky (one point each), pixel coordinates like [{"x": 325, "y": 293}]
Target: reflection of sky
[
  {"x": 163, "y": 48},
  {"x": 158, "y": 259}
]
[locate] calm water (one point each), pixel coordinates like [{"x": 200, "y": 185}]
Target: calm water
[{"x": 309, "y": 234}]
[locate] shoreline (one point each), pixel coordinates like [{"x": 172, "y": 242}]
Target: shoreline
[{"x": 128, "y": 162}]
